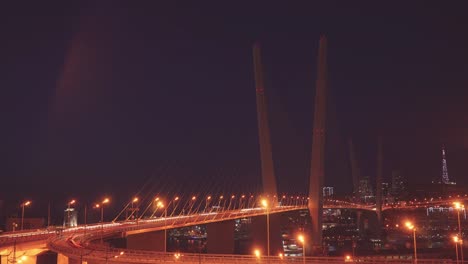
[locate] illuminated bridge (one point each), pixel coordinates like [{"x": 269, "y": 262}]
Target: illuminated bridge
[{"x": 83, "y": 243}]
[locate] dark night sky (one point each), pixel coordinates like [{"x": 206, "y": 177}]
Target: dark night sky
[{"x": 99, "y": 98}]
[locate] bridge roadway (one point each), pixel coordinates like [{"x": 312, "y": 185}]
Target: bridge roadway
[{"x": 76, "y": 242}]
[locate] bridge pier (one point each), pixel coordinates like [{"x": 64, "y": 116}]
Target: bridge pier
[
  {"x": 62, "y": 259},
  {"x": 152, "y": 241},
  {"x": 220, "y": 237},
  {"x": 259, "y": 234}
]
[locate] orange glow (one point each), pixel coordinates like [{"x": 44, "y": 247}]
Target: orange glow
[
  {"x": 232, "y": 197},
  {"x": 106, "y": 200},
  {"x": 194, "y": 198},
  {"x": 301, "y": 239},
  {"x": 26, "y": 203},
  {"x": 176, "y": 199},
  {"x": 257, "y": 253},
  {"x": 72, "y": 202},
  {"x": 208, "y": 198},
  {"x": 221, "y": 197},
  {"x": 264, "y": 203},
  {"x": 135, "y": 199}
]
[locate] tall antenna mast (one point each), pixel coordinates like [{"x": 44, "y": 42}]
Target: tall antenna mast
[{"x": 445, "y": 177}]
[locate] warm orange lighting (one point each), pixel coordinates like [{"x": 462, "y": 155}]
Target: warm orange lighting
[
  {"x": 455, "y": 239},
  {"x": 135, "y": 199},
  {"x": 458, "y": 205},
  {"x": 233, "y": 196},
  {"x": 121, "y": 252},
  {"x": 26, "y": 203},
  {"x": 221, "y": 197},
  {"x": 348, "y": 258},
  {"x": 264, "y": 203},
  {"x": 301, "y": 239},
  {"x": 157, "y": 199},
  {"x": 106, "y": 200},
  {"x": 243, "y": 196},
  {"x": 208, "y": 198},
  {"x": 160, "y": 204},
  {"x": 410, "y": 225},
  {"x": 193, "y": 198},
  {"x": 257, "y": 253},
  {"x": 72, "y": 202},
  {"x": 97, "y": 206},
  {"x": 176, "y": 199},
  {"x": 177, "y": 255},
  {"x": 280, "y": 255}
]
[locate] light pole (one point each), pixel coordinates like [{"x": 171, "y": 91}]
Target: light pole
[
  {"x": 160, "y": 204},
  {"x": 22, "y": 212},
  {"x": 101, "y": 206},
  {"x": 265, "y": 205},
  {"x": 67, "y": 223},
  {"x": 460, "y": 207},
  {"x": 455, "y": 239},
  {"x": 410, "y": 226},
  {"x": 301, "y": 238},
  {"x": 135, "y": 210},
  {"x": 105, "y": 201}
]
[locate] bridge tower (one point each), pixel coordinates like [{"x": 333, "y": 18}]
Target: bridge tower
[
  {"x": 317, "y": 165},
  {"x": 266, "y": 156}
]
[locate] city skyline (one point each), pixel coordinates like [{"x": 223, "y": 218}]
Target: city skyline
[{"x": 102, "y": 98}]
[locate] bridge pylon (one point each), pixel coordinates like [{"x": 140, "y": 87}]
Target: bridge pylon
[
  {"x": 266, "y": 155},
  {"x": 317, "y": 166}
]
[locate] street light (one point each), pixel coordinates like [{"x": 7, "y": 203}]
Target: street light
[
  {"x": 160, "y": 204},
  {"x": 456, "y": 240},
  {"x": 22, "y": 212},
  {"x": 265, "y": 205},
  {"x": 410, "y": 226},
  {"x": 301, "y": 238},
  {"x": 69, "y": 204},
  {"x": 257, "y": 253},
  {"x": 460, "y": 207}
]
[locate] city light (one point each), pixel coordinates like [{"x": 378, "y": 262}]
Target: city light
[
  {"x": 301, "y": 239},
  {"x": 257, "y": 253},
  {"x": 23, "y": 205},
  {"x": 456, "y": 240},
  {"x": 410, "y": 226}
]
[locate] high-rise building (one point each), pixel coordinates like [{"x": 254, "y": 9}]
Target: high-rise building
[
  {"x": 327, "y": 192},
  {"x": 398, "y": 185},
  {"x": 365, "y": 189}
]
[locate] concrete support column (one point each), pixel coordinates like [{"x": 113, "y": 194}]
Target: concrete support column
[
  {"x": 152, "y": 241},
  {"x": 62, "y": 259},
  {"x": 259, "y": 234},
  {"x": 220, "y": 237}
]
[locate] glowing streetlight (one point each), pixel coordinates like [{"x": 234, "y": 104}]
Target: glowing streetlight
[
  {"x": 69, "y": 204},
  {"x": 101, "y": 205},
  {"x": 257, "y": 253},
  {"x": 160, "y": 204},
  {"x": 301, "y": 239},
  {"x": 410, "y": 226},
  {"x": 459, "y": 207},
  {"x": 265, "y": 205},
  {"x": 456, "y": 240},
  {"x": 22, "y": 212}
]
